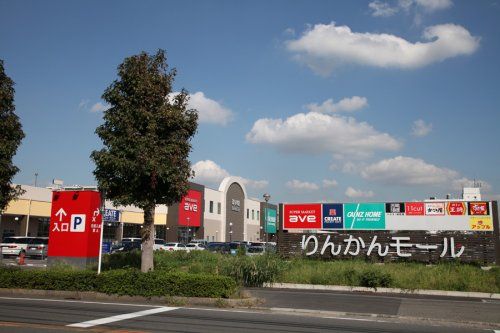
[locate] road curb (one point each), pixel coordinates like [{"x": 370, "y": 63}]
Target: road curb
[
  {"x": 383, "y": 290},
  {"x": 155, "y": 300}
]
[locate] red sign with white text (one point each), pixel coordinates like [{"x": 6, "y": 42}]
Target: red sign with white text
[
  {"x": 75, "y": 224},
  {"x": 479, "y": 208},
  {"x": 414, "y": 208},
  {"x": 190, "y": 209},
  {"x": 455, "y": 208},
  {"x": 302, "y": 216}
]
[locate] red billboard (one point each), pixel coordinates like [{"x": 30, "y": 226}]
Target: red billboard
[
  {"x": 302, "y": 216},
  {"x": 455, "y": 208},
  {"x": 75, "y": 224},
  {"x": 479, "y": 208},
  {"x": 190, "y": 209},
  {"x": 414, "y": 208}
]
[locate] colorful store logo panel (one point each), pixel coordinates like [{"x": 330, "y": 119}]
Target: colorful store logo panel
[
  {"x": 302, "y": 216},
  {"x": 333, "y": 216},
  {"x": 479, "y": 208},
  {"x": 369, "y": 216}
]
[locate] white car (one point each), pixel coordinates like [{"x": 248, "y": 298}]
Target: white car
[
  {"x": 13, "y": 246},
  {"x": 195, "y": 247},
  {"x": 174, "y": 247}
]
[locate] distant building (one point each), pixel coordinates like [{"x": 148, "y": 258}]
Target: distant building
[{"x": 204, "y": 213}]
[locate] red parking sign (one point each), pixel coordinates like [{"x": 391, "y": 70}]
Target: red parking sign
[{"x": 75, "y": 224}]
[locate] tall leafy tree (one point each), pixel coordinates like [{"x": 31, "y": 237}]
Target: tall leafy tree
[
  {"x": 147, "y": 134},
  {"x": 11, "y": 135}
]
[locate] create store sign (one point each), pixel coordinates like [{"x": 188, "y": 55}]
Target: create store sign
[{"x": 190, "y": 209}]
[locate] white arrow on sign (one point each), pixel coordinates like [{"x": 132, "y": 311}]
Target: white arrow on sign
[{"x": 61, "y": 212}]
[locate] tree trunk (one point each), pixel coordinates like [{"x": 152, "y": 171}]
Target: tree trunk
[{"x": 148, "y": 235}]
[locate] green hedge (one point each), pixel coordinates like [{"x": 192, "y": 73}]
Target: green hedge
[{"x": 122, "y": 282}]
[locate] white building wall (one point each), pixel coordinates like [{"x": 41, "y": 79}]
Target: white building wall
[
  {"x": 252, "y": 219},
  {"x": 213, "y": 221}
]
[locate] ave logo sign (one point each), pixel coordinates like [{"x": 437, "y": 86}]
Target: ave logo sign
[
  {"x": 191, "y": 207},
  {"x": 302, "y": 216}
]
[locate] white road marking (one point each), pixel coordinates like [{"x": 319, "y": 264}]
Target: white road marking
[
  {"x": 125, "y": 316},
  {"x": 77, "y": 301}
]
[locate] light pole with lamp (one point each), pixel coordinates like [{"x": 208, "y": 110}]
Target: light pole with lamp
[
  {"x": 266, "y": 196},
  {"x": 230, "y": 231},
  {"x": 189, "y": 230},
  {"x": 166, "y": 234}
]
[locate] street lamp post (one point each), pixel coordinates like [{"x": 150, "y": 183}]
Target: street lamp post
[
  {"x": 189, "y": 230},
  {"x": 230, "y": 231}
]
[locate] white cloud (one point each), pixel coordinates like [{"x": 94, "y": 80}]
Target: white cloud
[
  {"x": 407, "y": 171},
  {"x": 459, "y": 184},
  {"x": 209, "y": 111},
  {"x": 385, "y": 9},
  {"x": 346, "y": 104},
  {"x": 314, "y": 133},
  {"x": 434, "y": 5},
  {"x": 420, "y": 128},
  {"x": 326, "y": 46},
  {"x": 208, "y": 171},
  {"x": 382, "y": 9},
  {"x": 353, "y": 193},
  {"x": 300, "y": 186},
  {"x": 328, "y": 183},
  {"x": 255, "y": 184},
  {"x": 99, "y": 107}
]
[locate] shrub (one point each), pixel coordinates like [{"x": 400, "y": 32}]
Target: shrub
[
  {"x": 254, "y": 271},
  {"x": 375, "y": 279},
  {"x": 122, "y": 282}
]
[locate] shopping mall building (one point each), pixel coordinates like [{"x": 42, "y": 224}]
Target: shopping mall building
[{"x": 222, "y": 215}]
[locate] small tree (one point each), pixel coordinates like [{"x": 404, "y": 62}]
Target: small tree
[
  {"x": 147, "y": 135},
  {"x": 11, "y": 135}
]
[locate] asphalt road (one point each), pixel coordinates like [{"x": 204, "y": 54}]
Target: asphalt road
[
  {"x": 28, "y": 315},
  {"x": 433, "y": 307}
]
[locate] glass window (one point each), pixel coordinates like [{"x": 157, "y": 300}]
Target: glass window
[
  {"x": 248, "y": 213},
  {"x": 211, "y": 210},
  {"x": 258, "y": 217},
  {"x": 218, "y": 208},
  {"x": 253, "y": 214}
]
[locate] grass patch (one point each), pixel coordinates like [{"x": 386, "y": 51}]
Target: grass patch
[{"x": 257, "y": 270}]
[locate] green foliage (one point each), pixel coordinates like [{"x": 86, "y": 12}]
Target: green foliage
[
  {"x": 410, "y": 276},
  {"x": 254, "y": 271},
  {"x": 146, "y": 134},
  {"x": 11, "y": 135},
  {"x": 121, "y": 282},
  {"x": 374, "y": 278}
]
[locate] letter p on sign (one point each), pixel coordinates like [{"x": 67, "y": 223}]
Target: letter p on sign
[{"x": 77, "y": 223}]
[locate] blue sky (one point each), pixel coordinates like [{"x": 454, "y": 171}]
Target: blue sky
[{"x": 309, "y": 101}]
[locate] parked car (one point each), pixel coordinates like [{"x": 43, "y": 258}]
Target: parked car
[
  {"x": 195, "y": 247},
  {"x": 256, "y": 250},
  {"x": 219, "y": 247},
  {"x": 199, "y": 241},
  {"x": 127, "y": 247},
  {"x": 159, "y": 244},
  {"x": 234, "y": 246},
  {"x": 38, "y": 247},
  {"x": 175, "y": 247},
  {"x": 13, "y": 246}
]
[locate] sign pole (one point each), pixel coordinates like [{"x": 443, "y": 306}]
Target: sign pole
[{"x": 102, "y": 232}]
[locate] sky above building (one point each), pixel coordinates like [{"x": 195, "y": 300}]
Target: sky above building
[{"x": 306, "y": 100}]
